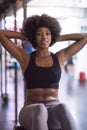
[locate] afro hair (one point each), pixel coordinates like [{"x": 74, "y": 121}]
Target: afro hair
[{"x": 31, "y": 24}]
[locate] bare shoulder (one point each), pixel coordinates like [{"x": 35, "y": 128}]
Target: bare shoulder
[
  {"x": 25, "y": 60},
  {"x": 61, "y": 57}
]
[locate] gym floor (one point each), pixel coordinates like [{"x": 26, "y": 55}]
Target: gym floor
[{"x": 72, "y": 92}]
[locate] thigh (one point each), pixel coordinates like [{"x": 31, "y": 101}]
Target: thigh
[
  {"x": 61, "y": 113},
  {"x": 29, "y": 113},
  {"x": 53, "y": 118}
]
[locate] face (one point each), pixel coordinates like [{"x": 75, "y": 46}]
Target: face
[{"x": 43, "y": 37}]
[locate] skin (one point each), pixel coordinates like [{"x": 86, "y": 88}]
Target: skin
[{"x": 43, "y": 57}]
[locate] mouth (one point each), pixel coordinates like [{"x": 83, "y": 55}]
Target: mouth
[{"x": 44, "y": 42}]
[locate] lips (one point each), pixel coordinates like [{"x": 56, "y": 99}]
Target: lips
[{"x": 44, "y": 42}]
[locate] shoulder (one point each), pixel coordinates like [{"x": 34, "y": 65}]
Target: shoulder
[
  {"x": 61, "y": 59},
  {"x": 27, "y": 59}
]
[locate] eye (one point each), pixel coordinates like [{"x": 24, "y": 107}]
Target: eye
[
  {"x": 38, "y": 34},
  {"x": 48, "y": 33}
]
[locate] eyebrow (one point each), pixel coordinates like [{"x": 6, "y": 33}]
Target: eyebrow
[{"x": 41, "y": 30}]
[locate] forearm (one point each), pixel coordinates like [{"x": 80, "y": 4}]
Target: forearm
[
  {"x": 73, "y": 36},
  {"x": 12, "y": 34}
]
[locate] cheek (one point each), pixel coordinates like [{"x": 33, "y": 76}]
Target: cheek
[
  {"x": 50, "y": 38},
  {"x": 37, "y": 41},
  {"x": 37, "y": 38}
]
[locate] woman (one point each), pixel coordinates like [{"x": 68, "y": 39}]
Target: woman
[{"x": 42, "y": 72}]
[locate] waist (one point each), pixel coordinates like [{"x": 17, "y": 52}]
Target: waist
[{"x": 41, "y": 95}]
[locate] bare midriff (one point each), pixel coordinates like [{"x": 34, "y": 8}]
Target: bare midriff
[{"x": 41, "y": 95}]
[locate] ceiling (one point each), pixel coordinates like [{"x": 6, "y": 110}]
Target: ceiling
[
  {"x": 6, "y": 5},
  {"x": 58, "y": 3}
]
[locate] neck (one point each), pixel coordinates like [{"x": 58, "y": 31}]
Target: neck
[{"x": 42, "y": 53}]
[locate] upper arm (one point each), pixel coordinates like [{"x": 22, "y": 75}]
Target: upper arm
[
  {"x": 71, "y": 50},
  {"x": 64, "y": 54},
  {"x": 19, "y": 53},
  {"x": 61, "y": 57}
]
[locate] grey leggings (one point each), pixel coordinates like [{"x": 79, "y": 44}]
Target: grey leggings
[{"x": 42, "y": 116}]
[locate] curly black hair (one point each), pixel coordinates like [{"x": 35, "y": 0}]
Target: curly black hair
[{"x": 31, "y": 24}]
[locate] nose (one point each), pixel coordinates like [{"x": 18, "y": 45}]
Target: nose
[{"x": 44, "y": 35}]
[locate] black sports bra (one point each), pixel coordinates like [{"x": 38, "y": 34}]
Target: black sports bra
[{"x": 42, "y": 77}]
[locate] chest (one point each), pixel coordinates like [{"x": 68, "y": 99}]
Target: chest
[
  {"x": 42, "y": 72},
  {"x": 48, "y": 73},
  {"x": 44, "y": 62}
]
